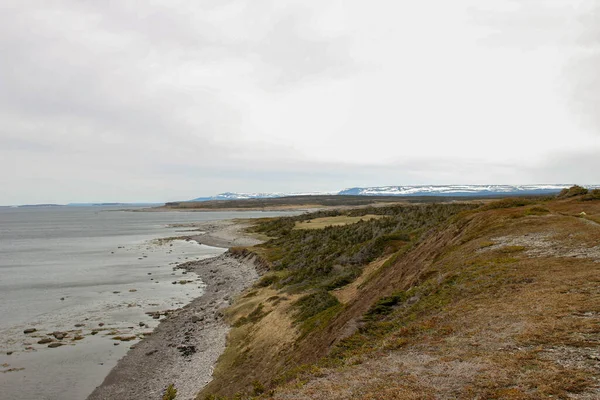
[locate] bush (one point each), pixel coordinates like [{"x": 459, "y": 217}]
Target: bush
[
  {"x": 333, "y": 257},
  {"x": 507, "y": 203},
  {"x": 385, "y": 305},
  {"x": 257, "y": 388},
  {"x": 313, "y": 304},
  {"x": 170, "y": 393},
  {"x": 537, "y": 211},
  {"x": 267, "y": 280},
  {"x": 573, "y": 191},
  {"x": 593, "y": 195}
]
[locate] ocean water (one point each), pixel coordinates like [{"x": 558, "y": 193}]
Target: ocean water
[{"x": 80, "y": 270}]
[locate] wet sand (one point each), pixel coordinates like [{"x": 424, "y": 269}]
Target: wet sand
[{"x": 185, "y": 346}]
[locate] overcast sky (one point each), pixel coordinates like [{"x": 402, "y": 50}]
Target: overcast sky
[{"x": 170, "y": 100}]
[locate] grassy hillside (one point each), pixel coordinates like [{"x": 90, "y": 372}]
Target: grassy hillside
[{"x": 434, "y": 301}]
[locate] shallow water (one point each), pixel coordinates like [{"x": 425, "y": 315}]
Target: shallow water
[{"x": 87, "y": 266}]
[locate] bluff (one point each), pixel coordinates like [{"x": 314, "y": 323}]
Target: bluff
[{"x": 422, "y": 301}]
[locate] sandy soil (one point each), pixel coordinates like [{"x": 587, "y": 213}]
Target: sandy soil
[
  {"x": 228, "y": 233},
  {"x": 185, "y": 346}
]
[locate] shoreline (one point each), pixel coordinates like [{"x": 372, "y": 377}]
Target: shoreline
[{"x": 184, "y": 348}]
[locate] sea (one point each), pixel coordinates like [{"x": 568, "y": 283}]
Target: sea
[{"x": 95, "y": 273}]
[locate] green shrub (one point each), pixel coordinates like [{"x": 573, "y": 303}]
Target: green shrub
[
  {"x": 257, "y": 388},
  {"x": 573, "y": 191},
  {"x": 593, "y": 195},
  {"x": 267, "y": 280},
  {"x": 385, "y": 305},
  {"x": 507, "y": 203},
  {"x": 313, "y": 304},
  {"x": 170, "y": 393},
  {"x": 537, "y": 211},
  {"x": 334, "y": 256}
]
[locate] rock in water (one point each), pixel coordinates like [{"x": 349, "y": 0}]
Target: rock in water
[
  {"x": 55, "y": 344},
  {"x": 59, "y": 335},
  {"x": 29, "y": 330}
]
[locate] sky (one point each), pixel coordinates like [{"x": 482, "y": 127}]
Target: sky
[{"x": 172, "y": 100}]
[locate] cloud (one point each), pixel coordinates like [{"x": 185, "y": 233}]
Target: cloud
[
  {"x": 566, "y": 29},
  {"x": 176, "y": 99}
]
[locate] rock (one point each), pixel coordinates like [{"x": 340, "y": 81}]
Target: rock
[
  {"x": 197, "y": 318},
  {"x": 186, "y": 351},
  {"x": 141, "y": 324},
  {"x": 62, "y": 298},
  {"x": 55, "y": 344},
  {"x": 133, "y": 290},
  {"x": 116, "y": 343},
  {"x": 78, "y": 337},
  {"x": 174, "y": 282},
  {"x": 59, "y": 335},
  {"x": 45, "y": 341},
  {"x": 79, "y": 325},
  {"x": 29, "y": 330},
  {"x": 94, "y": 332},
  {"x": 101, "y": 324},
  {"x": 151, "y": 352},
  {"x": 149, "y": 273},
  {"x": 116, "y": 292}
]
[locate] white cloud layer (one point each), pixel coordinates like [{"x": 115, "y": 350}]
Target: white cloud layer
[{"x": 168, "y": 100}]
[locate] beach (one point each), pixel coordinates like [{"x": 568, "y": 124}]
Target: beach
[{"x": 185, "y": 346}]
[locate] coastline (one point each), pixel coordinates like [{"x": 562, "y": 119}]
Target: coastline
[{"x": 185, "y": 346}]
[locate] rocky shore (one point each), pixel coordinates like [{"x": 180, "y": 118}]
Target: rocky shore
[{"x": 185, "y": 346}]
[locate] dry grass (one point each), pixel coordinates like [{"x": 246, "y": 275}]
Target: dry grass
[
  {"x": 253, "y": 348},
  {"x": 522, "y": 321},
  {"x": 502, "y": 303},
  {"x": 320, "y": 223},
  {"x": 349, "y": 292}
]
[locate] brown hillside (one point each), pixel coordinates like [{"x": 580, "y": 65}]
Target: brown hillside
[{"x": 498, "y": 302}]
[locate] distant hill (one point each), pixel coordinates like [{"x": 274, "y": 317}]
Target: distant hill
[
  {"x": 111, "y": 204},
  {"x": 455, "y": 190},
  {"x": 409, "y": 190},
  {"x": 247, "y": 196},
  {"x": 39, "y": 205}
]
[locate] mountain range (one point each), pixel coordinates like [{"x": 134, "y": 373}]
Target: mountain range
[{"x": 411, "y": 190}]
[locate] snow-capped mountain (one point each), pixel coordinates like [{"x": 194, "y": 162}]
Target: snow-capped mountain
[
  {"x": 244, "y": 196},
  {"x": 414, "y": 190},
  {"x": 454, "y": 190}
]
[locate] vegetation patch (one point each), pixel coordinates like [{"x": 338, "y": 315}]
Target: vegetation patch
[
  {"x": 592, "y": 195},
  {"x": 256, "y": 315},
  {"x": 537, "y": 211},
  {"x": 573, "y": 191},
  {"x": 340, "y": 220},
  {"x": 385, "y": 306},
  {"x": 507, "y": 203},
  {"x": 312, "y": 304}
]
